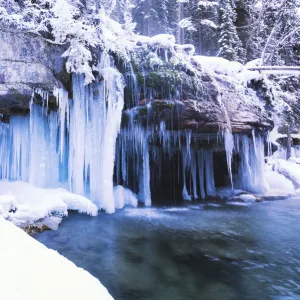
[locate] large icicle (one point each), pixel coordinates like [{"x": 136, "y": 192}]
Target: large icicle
[
  {"x": 201, "y": 172},
  {"x": 135, "y": 158},
  {"x": 95, "y": 123},
  {"x": 186, "y": 160},
  {"x": 251, "y": 171},
  {"x": 62, "y": 99},
  {"x": 19, "y": 148},
  {"x": 229, "y": 146},
  {"x": 209, "y": 173},
  {"x": 144, "y": 184},
  {"x": 44, "y": 158}
]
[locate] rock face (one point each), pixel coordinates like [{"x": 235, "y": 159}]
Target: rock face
[
  {"x": 225, "y": 104},
  {"x": 27, "y": 62},
  {"x": 220, "y": 104}
]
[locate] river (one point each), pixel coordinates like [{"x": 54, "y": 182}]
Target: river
[{"x": 197, "y": 252}]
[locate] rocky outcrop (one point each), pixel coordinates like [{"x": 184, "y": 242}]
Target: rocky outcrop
[
  {"x": 219, "y": 104},
  {"x": 205, "y": 102},
  {"x": 26, "y": 62}
]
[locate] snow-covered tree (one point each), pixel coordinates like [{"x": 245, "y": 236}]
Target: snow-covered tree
[{"x": 230, "y": 44}]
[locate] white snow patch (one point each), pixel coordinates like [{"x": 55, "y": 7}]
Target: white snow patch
[
  {"x": 239, "y": 203},
  {"x": 23, "y": 203},
  {"x": 295, "y": 160},
  {"x": 176, "y": 209},
  {"x": 218, "y": 65},
  {"x": 226, "y": 193},
  {"x": 247, "y": 198},
  {"x": 31, "y": 271},
  {"x": 288, "y": 169},
  {"x": 213, "y": 205},
  {"x": 162, "y": 41},
  {"x": 277, "y": 181},
  {"x": 124, "y": 197}
]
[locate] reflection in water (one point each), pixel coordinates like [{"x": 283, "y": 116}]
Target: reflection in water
[{"x": 196, "y": 252}]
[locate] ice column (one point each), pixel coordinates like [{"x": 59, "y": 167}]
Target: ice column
[
  {"x": 94, "y": 126},
  {"x": 229, "y": 146},
  {"x": 201, "y": 172},
  {"x": 209, "y": 173},
  {"x": 186, "y": 158}
]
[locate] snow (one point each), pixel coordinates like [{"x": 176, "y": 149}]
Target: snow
[
  {"x": 279, "y": 182},
  {"x": 247, "y": 198},
  {"x": 124, "y": 197},
  {"x": 162, "y": 41},
  {"x": 226, "y": 193},
  {"x": 31, "y": 271},
  {"x": 188, "y": 48},
  {"x": 233, "y": 203},
  {"x": 295, "y": 160},
  {"x": 24, "y": 204},
  {"x": 231, "y": 69},
  {"x": 187, "y": 24},
  {"x": 208, "y": 4},
  {"x": 209, "y": 23},
  {"x": 289, "y": 169},
  {"x": 219, "y": 65}
]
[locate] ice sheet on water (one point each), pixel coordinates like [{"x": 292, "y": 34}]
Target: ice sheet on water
[
  {"x": 177, "y": 209},
  {"x": 233, "y": 203},
  {"x": 149, "y": 213}
]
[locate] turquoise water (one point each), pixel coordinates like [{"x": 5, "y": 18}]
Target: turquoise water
[{"x": 195, "y": 252}]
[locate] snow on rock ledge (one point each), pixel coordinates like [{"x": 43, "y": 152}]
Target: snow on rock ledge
[
  {"x": 289, "y": 170},
  {"x": 31, "y": 271},
  {"x": 24, "y": 204}
]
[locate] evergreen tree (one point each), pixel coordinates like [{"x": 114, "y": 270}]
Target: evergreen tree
[{"x": 229, "y": 42}]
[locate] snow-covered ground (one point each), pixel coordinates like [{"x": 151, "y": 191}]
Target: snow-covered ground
[
  {"x": 31, "y": 271},
  {"x": 288, "y": 169},
  {"x": 24, "y": 204}
]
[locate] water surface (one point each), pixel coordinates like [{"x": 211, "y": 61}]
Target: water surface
[{"x": 195, "y": 252}]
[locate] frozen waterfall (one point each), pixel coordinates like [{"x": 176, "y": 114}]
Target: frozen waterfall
[{"x": 73, "y": 147}]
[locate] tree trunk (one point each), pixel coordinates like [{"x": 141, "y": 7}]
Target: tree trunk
[
  {"x": 180, "y": 37},
  {"x": 146, "y": 18},
  {"x": 289, "y": 143}
]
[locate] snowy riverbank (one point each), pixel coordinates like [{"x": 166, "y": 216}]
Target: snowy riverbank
[
  {"x": 31, "y": 271},
  {"x": 24, "y": 204}
]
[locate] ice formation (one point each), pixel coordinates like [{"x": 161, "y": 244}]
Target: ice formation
[
  {"x": 82, "y": 148},
  {"x": 73, "y": 147}
]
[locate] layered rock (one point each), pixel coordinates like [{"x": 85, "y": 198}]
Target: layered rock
[
  {"x": 200, "y": 101},
  {"x": 27, "y": 62}
]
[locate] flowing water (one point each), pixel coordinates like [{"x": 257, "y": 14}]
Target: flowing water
[{"x": 195, "y": 252}]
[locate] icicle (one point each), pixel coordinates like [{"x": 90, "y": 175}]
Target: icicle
[
  {"x": 5, "y": 144},
  {"x": 194, "y": 173},
  {"x": 251, "y": 170},
  {"x": 95, "y": 124},
  {"x": 209, "y": 173},
  {"x": 19, "y": 148},
  {"x": 201, "y": 173},
  {"x": 134, "y": 86},
  {"x": 144, "y": 184},
  {"x": 229, "y": 146},
  {"x": 44, "y": 159},
  {"x": 186, "y": 156},
  {"x": 62, "y": 100}
]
